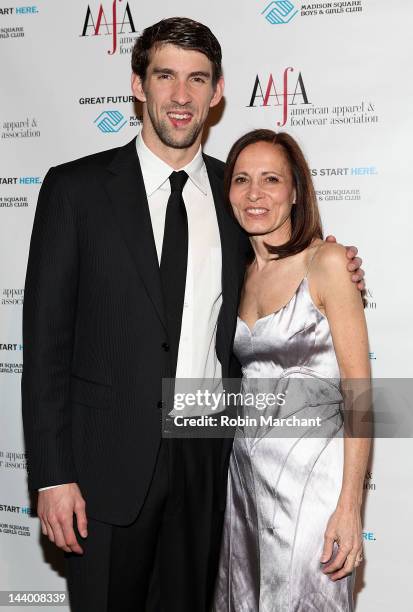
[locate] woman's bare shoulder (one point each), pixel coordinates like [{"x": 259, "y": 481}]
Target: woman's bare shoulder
[{"x": 330, "y": 257}]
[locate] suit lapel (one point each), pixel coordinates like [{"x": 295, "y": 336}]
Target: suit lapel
[{"x": 126, "y": 190}]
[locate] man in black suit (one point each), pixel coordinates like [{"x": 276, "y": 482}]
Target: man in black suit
[{"x": 134, "y": 273}]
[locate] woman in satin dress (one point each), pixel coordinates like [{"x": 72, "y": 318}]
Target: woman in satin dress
[{"x": 292, "y": 533}]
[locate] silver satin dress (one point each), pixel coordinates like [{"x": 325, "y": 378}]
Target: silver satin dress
[{"x": 282, "y": 489}]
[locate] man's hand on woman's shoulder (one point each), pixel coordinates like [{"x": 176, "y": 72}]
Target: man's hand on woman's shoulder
[{"x": 353, "y": 264}]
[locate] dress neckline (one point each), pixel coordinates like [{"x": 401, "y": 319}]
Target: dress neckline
[
  {"x": 272, "y": 314},
  {"x": 275, "y": 312}
]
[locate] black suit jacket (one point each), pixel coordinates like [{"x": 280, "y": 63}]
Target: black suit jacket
[{"x": 94, "y": 330}]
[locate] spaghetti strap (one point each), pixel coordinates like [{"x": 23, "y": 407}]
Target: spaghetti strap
[{"x": 311, "y": 259}]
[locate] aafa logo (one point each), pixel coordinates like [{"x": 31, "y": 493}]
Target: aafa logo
[
  {"x": 100, "y": 25},
  {"x": 273, "y": 96}
]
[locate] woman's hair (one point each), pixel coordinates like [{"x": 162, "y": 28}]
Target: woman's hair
[
  {"x": 305, "y": 216},
  {"x": 181, "y": 32}
]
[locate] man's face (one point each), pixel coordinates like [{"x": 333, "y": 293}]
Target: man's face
[{"x": 177, "y": 94}]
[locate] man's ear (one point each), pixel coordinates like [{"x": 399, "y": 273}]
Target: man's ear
[
  {"x": 137, "y": 88},
  {"x": 219, "y": 92}
]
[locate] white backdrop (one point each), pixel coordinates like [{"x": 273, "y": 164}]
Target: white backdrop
[{"x": 333, "y": 74}]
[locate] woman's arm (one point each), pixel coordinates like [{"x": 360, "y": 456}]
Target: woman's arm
[{"x": 341, "y": 301}]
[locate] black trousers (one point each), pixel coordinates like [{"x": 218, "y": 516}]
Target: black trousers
[{"x": 166, "y": 560}]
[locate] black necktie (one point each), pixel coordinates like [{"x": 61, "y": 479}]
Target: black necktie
[{"x": 174, "y": 262}]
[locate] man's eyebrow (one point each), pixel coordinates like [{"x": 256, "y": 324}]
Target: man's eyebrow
[
  {"x": 159, "y": 70},
  {"x": 202, "y": 73}
]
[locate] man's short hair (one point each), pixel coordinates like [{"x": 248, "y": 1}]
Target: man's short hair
[{"x": 182, "y": 32}]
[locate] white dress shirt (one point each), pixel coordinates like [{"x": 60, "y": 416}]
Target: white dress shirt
[{"x": 203, "y": 292}]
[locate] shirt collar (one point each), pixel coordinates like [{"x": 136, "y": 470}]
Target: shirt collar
[{"x": 156, "y": 172}]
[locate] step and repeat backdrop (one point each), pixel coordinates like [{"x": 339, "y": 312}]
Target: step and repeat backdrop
[{"x": 333, "y": 74}]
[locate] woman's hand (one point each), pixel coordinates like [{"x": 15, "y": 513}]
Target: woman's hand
[{"x": 344, "y": 528}]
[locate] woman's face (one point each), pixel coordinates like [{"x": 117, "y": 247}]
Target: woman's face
[{"x": 262, "y": 190}]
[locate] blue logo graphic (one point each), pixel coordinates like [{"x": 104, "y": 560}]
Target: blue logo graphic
[
  {"x": 110, "y": 121},
  {"x": 279, "y": 12}
]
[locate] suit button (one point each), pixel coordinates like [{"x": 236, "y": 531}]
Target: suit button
[
  {"x": 165, "y": 346},
  {"x": 159, "y": 404}
]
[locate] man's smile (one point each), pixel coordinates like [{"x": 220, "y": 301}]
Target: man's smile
[{"x": 179, "y": 118}]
